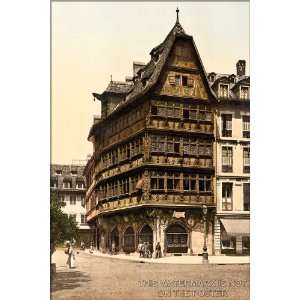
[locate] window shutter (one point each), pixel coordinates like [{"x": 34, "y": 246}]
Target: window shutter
[
  {"x": 190, "y": 82},
  {"x": 171, "y": 79}
]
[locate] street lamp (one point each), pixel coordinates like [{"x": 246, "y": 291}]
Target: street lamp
[{"x": 205, "y": 254}]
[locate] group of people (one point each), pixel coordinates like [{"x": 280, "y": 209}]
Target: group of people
[{"x": 146, "y": 250}]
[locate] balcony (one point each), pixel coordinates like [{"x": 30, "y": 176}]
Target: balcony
[{"x": 155, "y": 199}]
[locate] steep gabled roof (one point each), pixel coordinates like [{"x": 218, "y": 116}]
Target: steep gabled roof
[{"x": 149, "y": 75}]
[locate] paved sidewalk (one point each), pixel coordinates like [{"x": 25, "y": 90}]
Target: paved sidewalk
[{"x": 185, "y": 259}]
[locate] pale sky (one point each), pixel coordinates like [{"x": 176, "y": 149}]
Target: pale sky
[{"x": 91, "y": 41}]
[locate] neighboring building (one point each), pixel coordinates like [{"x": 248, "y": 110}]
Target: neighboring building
[
  {"x": 152, "y": 174},
  {"x": 68, "y": 184},
  {"x": 231, "y": 230}
]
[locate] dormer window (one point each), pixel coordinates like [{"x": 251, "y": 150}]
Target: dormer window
[
  {"x": 244, "y": 92},
  {"x": 184, "y": 81},
  {"x": 232, "y": 78},
  {"x": 223, "y": 91},
  {"x": 177, "y": 79}
]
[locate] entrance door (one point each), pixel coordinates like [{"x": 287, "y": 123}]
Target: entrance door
[
  {"x": 115, "y": 239},
  {"x": 177, "y": 239},
  {"x": 146, "y": 235},
  {"x": 129, "y": 240}
]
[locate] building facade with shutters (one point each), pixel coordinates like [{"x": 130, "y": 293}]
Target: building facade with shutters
[
  {"x": 67, "y": 183},
  {"x": 151, "y": 177},
  {"x": 231, "y": 227}
]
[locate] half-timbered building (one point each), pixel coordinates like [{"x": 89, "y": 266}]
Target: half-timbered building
[{"x": 151, "y": 177}]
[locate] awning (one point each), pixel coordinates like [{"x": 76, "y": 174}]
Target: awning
[{"x": 236, "y": 227}]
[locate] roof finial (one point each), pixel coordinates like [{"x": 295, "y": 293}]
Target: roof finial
[
  {"x": 177, "y": 18},
  {"x": 110, "y": 78}
]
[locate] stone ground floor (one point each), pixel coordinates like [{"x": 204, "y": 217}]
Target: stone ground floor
[
  {"x": 100, "y": 278},
  {"x": 180, "y": 231}
]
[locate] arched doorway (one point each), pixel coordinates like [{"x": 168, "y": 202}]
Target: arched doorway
[
  {"x": 129, "y": 243},
  {"x": 115, "y": 240},
  {"x": 146, "y": 235},
  {"x": 177, "y": 239}
]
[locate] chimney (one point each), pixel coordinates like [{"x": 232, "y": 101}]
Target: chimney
[
  {"x": 137, "y": 66},
  {"x": 241, "y": 68}
]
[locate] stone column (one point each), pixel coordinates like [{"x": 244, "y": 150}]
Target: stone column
[
  {"x": 163, "y": 227},
  {"x": 239, "y": 245},
  {"x": 217, "y": 236},
  {"x": 121, "y": 245},
  {"x": 155, "y": 233}
]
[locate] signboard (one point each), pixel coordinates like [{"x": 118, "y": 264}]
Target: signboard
[{"x": 178, "y": 214}]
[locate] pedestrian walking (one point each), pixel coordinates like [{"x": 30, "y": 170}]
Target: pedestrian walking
[
  {"x": 158, "y": 250},
  {"x": 144, "y": 248},
  {"x": 91, "y": 248},
  {"x": 71, "y": 255},
  {"x": 140, "y": 249}
]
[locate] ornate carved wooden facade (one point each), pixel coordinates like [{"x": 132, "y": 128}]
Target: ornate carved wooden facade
[{"x": 153, "y": 165}]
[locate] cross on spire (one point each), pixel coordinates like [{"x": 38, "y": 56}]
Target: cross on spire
[{"x": 177, "y": 18}]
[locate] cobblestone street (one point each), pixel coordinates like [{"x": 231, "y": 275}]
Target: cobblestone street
[{"x": 98, "y": 278}]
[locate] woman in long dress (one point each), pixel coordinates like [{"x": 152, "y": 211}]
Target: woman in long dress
[{"x": 71, "y": 255}]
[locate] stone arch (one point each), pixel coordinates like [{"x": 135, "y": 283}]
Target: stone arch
[
  {"x": 129, "y": 240},
  {"x": 114, "y": 239},
  {"x": 177, "y": 238},
  {"x": 145, "y": 234}
]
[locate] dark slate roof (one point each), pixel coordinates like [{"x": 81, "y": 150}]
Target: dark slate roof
[
  {"x": 219, "y": 77},
  {"x": 118, "y": 87},
  {"x": 149, "y": 75}
]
